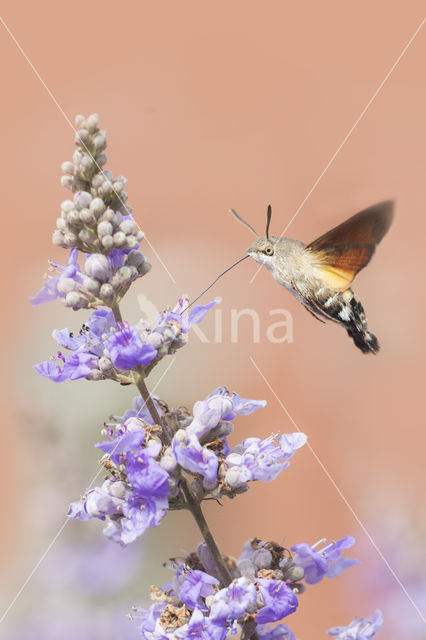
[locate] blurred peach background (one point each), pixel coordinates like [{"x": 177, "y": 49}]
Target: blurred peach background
[{"x": 209, "y": 106}]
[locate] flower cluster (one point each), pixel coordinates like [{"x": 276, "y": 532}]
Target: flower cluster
[
  {"x": 97, "y": 220},
  {"x": 104, "y": 348},
  {"x": 147, "y": 463},
  {"x": 97, "y": 223},
  {"x": 265, "y": 583}
]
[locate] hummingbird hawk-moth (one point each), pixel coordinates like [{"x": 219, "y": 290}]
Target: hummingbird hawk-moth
[{"x": 320, "y": 274}]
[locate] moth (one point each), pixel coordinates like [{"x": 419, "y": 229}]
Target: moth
[{"x": 320, "y": 274}]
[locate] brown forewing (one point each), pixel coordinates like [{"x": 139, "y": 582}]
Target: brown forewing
[{"x": 341, "y": 253}]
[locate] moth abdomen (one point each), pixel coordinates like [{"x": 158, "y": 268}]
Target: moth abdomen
[{"x": 346, "y": 309}]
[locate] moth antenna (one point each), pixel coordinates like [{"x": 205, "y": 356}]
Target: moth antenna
[
  {"x": 214, "y": 281},
  {"x": 268, "y": 220},
  {"x": 240, "y": 219}
]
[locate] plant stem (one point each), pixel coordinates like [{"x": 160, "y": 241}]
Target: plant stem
[
  {"x": 117, "y": 313},
  {"x": 192, "y": 501},
  {"x": 195, "y": 508},
  {"x": 149, "y": 402}
]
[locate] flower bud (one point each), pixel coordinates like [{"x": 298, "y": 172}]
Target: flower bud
[
  {"x": 91, "y": 285},
  {"x": 82, "y": 200},
  {"x": 102, "y": 159},
  {"x": 106, "y": 292},
  {"x": 155, "y": 339},
  {"x": 82, "y": 137},
  {"x": 98, "y": 266},
  {"x": 108, "y": 215},
  {"x": 87, "y": 237},
  {"x": 65, "y": 285},
  {"x": 74, "y": 300},
  {"x": 100, "y": 142},
  {"x": 67, "y": 181},
  {"x": 97, "y": 206},
  {"x": 132, "y": 243},
  {"x": 70, "y": 239},
  {"x": 99, "y": 503},
  {"x": 67, "y": 205},
  {"x": 78, "y": 121},
  {"x": 92, "y": 122},
  {"x": 119, "y": 239},
  {"x": 87, "y": 217},
  {"x": 68, "y": 168},
  {"x": 58, "y": 238},
  {"x": 135, "y": 258},
  {"x": 118, "y": 489},
  {"x": 104, "y": 229},
  {"x": 107, "y": 242},
  {"x": 127, "y": 226},
  {"x": 105, "y": 364},
  {"x": 117, "y": 219},
  {"x": 236, "y": 477},
  {"x": 72, "y": 218}
]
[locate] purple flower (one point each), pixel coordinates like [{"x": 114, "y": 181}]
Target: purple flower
[
  {"x": 364, "y": 629},
  {"x": 87, "y": 347},
  {"x": 280, "y": 632},
  {"x": 196, "y": 585},
  {"x": 149, "y": 619},
  {"x": 323, "y": 562},
  {"x": 234, "y": 601},
  {"x": 199, "y": 312},
  {"x": 257, "y": 459},
  {"x": 123, "y": 443},
  {"x": 146, "y": 477},
  {"x": 193, "y": 457},
  {"x": 240, "y": 406},
  {"x": 140, "y": 514},
  {"x": 51, "y": 288},
  {"x": 198, "y": 628},
  {"x": 279, "y": 600},
  {"x": 127, "y": 349},
  {"x": 78, "y": 365}
]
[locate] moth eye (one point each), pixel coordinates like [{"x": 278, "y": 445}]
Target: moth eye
[{"x": 269, "y": 251}]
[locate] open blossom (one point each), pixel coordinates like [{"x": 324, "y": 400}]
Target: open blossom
[
  {"x": 364, "y": 629},
  {"x": 325, "y": 561},
  {"x": 86, "y": 350},
  {"x": 257, "y": 459},
  {"x": 135, "y": 497},
  {"x": 127, "y": 350},
  {"x": 255, "y": 598},
  {"x": 104, "y": 348}
]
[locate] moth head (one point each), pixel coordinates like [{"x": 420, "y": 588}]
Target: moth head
[{"x": 262, "y": 249}]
